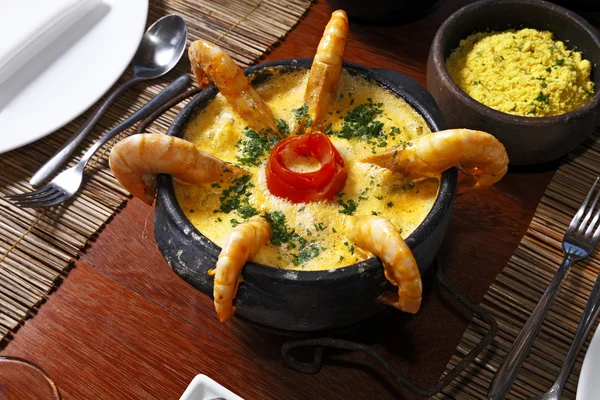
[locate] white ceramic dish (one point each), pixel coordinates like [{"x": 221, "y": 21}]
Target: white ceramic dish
[
  {"x": 71, "y": 74},
  {"x": 588, "y": 387},
  {"x": 204, "y": 388}
]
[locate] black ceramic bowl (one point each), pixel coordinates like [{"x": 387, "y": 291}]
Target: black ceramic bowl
[
  {"x": 293, "y": 301},
  {"x": 528, "y": 140}
]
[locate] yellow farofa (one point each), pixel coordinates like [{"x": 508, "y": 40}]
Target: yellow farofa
[{"x": 522, "y": 72}]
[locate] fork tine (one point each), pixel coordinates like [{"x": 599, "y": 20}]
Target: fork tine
[
  {"x": 50, "y": 190},
  {"x": 39, "y": 202},
  {"x": 587, "y": 217},
  {"x": 49, "y": 203},
  {"x": 596, "y": 234},
  {"x": 577, "y": 217},
  {"x": 23, "y": 196}
]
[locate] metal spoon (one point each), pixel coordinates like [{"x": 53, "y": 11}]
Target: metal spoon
[{"x": 161, "y": 49}]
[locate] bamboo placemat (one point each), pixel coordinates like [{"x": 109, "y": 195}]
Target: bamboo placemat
[
  {"x": 518, "y": 288},
  {"x": 36, "y": 247}
]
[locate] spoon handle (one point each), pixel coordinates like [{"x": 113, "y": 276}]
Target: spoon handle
[
  {"x": 53, "y": 165},
  {"x": 171, "y": 91},
  {"x": 587, "y": 321}
]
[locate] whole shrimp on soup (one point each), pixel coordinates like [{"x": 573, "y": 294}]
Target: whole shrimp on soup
[
  {"x": 307, "y": 170},
  {"x": 310, "y": 236}
]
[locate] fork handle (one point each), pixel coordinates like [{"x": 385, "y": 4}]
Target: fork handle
[
  {"x": 56, "y": 162},
  {"x": 173, "y": 89},
  {"x": 592, "y": 308},
  {"x": 508, "y": 371}
]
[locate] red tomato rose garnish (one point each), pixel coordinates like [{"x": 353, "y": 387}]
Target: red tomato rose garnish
[{"x": 301, "y": 187}]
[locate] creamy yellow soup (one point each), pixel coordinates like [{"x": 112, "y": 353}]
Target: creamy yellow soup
[{"x": 309, "y": 236}]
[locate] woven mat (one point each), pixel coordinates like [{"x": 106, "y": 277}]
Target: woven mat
[
  {"x": 36, "y": 247},
  {"x": 518, "y": 288}
]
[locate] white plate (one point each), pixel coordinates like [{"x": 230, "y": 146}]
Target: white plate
[
  {"x": 204, "y": 388},
  {"x": 71, "y": 74},
  {"x": 588, "y": 387}
]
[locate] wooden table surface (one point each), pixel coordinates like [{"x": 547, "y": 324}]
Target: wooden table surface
[{"x": 123, "y": 325}]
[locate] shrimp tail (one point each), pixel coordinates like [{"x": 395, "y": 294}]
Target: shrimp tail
[
  {"x": 324, "y": 77},
  {"x": 136, "y": 160},
  {"x": 479, "y": 155},
  {"x": 242, "y": 244},
  {"x": 379, "y": 236}
]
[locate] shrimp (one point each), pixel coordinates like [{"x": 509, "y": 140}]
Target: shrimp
[
  {"x": 378, "y": 236},
  {"x": 211, "y": 64},
  {"x": 479, "y": 155},
  {"x": 136, "y": 160},
  {"x": 321, "y": 89},
  {"x": 242, "y": 243}
]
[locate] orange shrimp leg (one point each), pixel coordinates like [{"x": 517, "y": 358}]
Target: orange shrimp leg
[
  {"x": 136, "y": 160},
  {"x": 211, "y": 64},
  {"x": 477, "y": 154},
  {"x": 324, "y": 78},
  {"x": 379, "y": 236},
  {"x": 242, "y": 244}
]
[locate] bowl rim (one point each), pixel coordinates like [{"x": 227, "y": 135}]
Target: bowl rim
[
  {"x": 438, "y": 60},
  {"x": 441, "y": 205}
]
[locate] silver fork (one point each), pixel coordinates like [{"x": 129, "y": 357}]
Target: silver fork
[
  {"x": 68, "y": 182},
  {"x": 578, "y": 243},
  {"x": 590, "y": 314}
]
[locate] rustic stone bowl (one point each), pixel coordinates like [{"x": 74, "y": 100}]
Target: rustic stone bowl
[
  {"x": 285, "y": 301},
  {"x": 528, "y": 140}
]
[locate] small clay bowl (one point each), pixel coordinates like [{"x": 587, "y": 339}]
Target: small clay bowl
[{"x": 528, "y": 140}]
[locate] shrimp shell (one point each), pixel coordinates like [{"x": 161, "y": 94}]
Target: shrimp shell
[
  {"x": 211, "y": 64},
  {"x": 379, "y": 236},
  {"x": 136, "y": 160},
  {"x": 243, "y": 243},
  {"x": 322, "y": 86},
  {"x": 478, "y": 154}
]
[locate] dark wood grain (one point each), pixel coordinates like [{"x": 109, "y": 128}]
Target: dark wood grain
[
  {"x": 133, "y": 348},
  {"x": 128, "y": 326}
]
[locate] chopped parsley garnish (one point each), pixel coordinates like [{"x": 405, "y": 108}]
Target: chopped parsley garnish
[
  {"x": 360, "y": 123},
  {"x": 282, "y": 234},
  {"x": 543, "y": 98},
  {"x": 362, "y": 195},
  {"x": 348, "y": 207},
  {"x": 235, "y": 198},
  {"x": 310, "y": 252},
  {"x": 389, "y": 204},
  {"x": 319, "y": 227},
  {"x": 301, "y": 115},
  {"x": 234, "y": 222},
  {"x": 254, "y": 146},
  {"x": 560, "y": 62},
  {"x": 283, "y": 127},
  {"x": 350, "y": 247}
]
